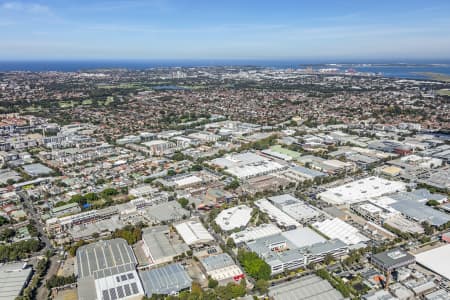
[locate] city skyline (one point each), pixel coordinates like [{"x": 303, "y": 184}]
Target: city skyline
[{"x": 161, "y": 29}]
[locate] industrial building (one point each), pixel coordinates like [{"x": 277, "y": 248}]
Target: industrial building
[
  {"x": 37, "y": 170},
  {"x": 222, "y": 268},
  {"x": 361, "y": 190},
  {"x": 436, "y": 260},
  {"x": 160, "y": 245},
  {"x": 281, "y": 218},
  {"x": 167, "y": 280},
  {"x": 298, "y": 210},
  {"x": 391, "y": 260},
  {"x": 306, "y": 173},
  {"x": 413, "y": 206},
  {"x": 234, "y": 217},
  {"x": 14, "y": 277},
  {"x": 338, "y": 229},
  {"x": 248, "y": 165},
  {"x": 106, "y": 270},
  {"x": 253, "y": 233},
  {"x": 309, "y": 287},
  {"x": 193, "y": 233}
]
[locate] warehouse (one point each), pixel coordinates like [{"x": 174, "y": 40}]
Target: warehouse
[
  {"x": 167, "y": 280},
  {"x": 235, "y": 217},
  {"x": 14, "y": 278},
  {"x": 253, "y": 233},
  {"x": 303, "y": 237},
  {"x": 338, "y": 229},
  {"x": 361, "y": 190},
  {"x": 166, "y": 212},
  {"x": 247, "y": 165},
  {"x": 298, "y": 210},
  {"x": 309, "y": 287},
  {"x": 193, "y": 232},
  {"x": 37, "y": 169},
  {"x": 107, "y": 270},
  {"x": 222, "y": 268},
  {"x": 436, "y": 260},
  {"x": 160, "y": 245},
  {"x": 307, "y": 174},
  {"x": 281, "y": 218},
  {"x": 391, "y": 260},
  {"x": 413, "y": 206}
]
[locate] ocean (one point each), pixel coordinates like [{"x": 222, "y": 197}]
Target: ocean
[{"x": 388, "y": 69}]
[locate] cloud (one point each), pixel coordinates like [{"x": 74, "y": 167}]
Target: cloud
[{"x": 34, "y": 8}]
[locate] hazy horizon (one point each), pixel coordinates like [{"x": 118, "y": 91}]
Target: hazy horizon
[{"x": 190, "y": 30}]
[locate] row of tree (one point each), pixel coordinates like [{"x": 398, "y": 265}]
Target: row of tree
[{"x": 19, "y": 250}]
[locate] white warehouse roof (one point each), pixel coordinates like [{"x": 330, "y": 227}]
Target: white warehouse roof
[
  {"x": 338, "y": 229},
  {"x": 437, "y": 260},
  {"x": 234, "y": 217},
  {"x": 361, "y": 190},
  {"x": 193, "y": 232},
  {"x": 281, "y": 217},
  {"x": 254, "y": 233}
]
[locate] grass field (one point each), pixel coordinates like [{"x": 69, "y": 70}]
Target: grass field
[
  {"x": 444, "y": 92},
  {"x": 108, "y": 101},
  {"x": 279, "y": 149},
  {"x": 436, "y": 76}
]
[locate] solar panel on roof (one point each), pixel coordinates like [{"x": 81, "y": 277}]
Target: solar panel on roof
[
  {"x": 127, "y": 290},
  {"x": 113, "y": 294},
  {"x": 123, "y": 277},
  {"x": 120, "y": 292},
  {"x": 135, "y": 288},
  {"x": 105, "y": 295},
  {"x": 130, "y": 275},
  {"x": 117, "y": 278}
]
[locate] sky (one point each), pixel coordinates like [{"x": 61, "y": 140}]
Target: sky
[{"x": 224, "y": 29}]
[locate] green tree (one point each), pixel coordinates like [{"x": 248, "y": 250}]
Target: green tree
[
  {"x": 183, "y": 202},
  {"x": 262, "y": 286},
  {"x": 212, "y": 283},
  {"x": 232, "y": 185},
  {"x": 254, "y": 265}
]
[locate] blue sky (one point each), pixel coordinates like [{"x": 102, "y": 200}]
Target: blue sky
[{"x": 224, "y": 29}]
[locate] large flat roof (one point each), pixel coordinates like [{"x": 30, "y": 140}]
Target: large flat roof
[
  {"x": 297, "y": 209},
  {"x": 281, "y": 217},
  {"x": 157, "y": 241},
  {"x": 413, "y": 205},
  {"x": 303, "y": 237},
  {"x": 437, "y": 260},
  {"x": 234, "y": 217},
  {"x": 105, "y": 258},
  {"x": 193, "y": 232},
  {"x": 107, "y": 270},
  {"x": 338, "y": 229},
  {"x": 392, "y": 258},
  {"x": 215, "y": 262},
  {"x": 13, "y": 278},
  {"x": 361, "y": 190},
  {"x": 248, "y": 164},
  {"x": 253, "y": 233},
  {"x": 310, "y": 287},
  {"x": 37, "y": 169},
  {"x": 165, "y": 280}
]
